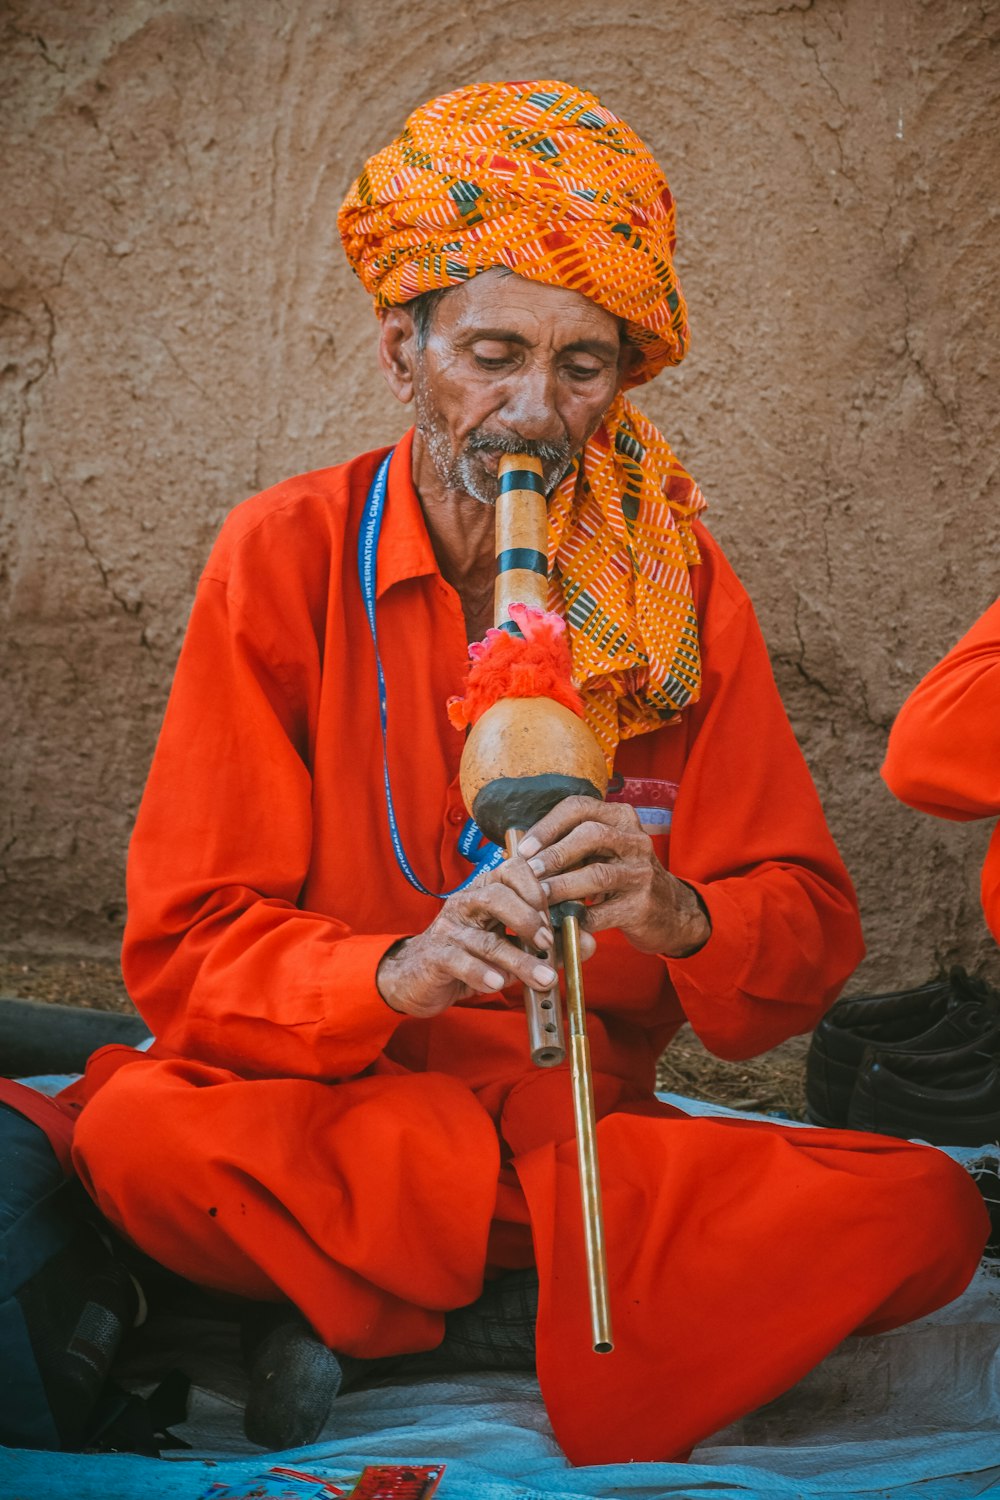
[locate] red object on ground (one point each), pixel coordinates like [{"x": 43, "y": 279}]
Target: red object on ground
[
  {"x": 944, "y": 749},
  {"x": 398, "y": 1482},
  {"x": 292, "y": 1136}
]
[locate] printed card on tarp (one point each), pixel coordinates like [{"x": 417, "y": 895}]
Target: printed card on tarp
[{"x": 376, "y": 1482}]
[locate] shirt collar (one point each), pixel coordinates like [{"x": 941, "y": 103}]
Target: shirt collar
[{"x": 404, "y": 549}]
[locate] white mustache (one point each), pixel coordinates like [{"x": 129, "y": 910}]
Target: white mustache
[{"x": 553, "y": 453}]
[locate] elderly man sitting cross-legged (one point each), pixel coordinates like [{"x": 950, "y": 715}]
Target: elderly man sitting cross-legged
[{"x": 339, "y": 1119}]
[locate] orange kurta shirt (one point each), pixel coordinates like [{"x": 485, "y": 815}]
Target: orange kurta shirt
[
  {"x": 944, "y": 748},
  {"x": 263, "y": 888}
]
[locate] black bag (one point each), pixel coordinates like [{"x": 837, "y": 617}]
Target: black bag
[{"x": 66, "y": 1300}]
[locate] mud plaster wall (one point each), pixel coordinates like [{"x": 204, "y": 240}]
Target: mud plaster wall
[{"x": 180, "y": 331}]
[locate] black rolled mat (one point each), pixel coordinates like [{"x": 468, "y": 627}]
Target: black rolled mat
[{"x": 38, "y": 1038}]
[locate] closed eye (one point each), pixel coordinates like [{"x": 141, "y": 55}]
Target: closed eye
[{"x": 492, "y": 362}]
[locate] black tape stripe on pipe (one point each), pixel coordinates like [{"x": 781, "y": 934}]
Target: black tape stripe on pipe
[
  {"x": 523, "y": 557},
  {"x": 521, "y": 479}
]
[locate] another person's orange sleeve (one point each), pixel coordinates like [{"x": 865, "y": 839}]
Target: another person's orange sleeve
[{"x": 944, "y": 749}]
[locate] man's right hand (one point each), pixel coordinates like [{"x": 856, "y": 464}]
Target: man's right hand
[{"x": 466, "y": 950}]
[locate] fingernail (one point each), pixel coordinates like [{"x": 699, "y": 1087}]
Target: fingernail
[
  {"x": 528, "y": 847},
  {"x": 543, "y": 938},
  {"x": 536, "y": 866},
  {"x": 546, "y": 887},
  {"x": 544, "y": 976},
  {"x": 493, "y": 980}
]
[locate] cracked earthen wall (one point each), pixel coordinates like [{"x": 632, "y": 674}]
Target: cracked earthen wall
[{"x": 180, "y": 330}]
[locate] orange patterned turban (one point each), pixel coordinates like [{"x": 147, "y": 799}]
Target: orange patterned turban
[
  {"x": 538, "y": 177},
  {"x": 541, "y": 178}
]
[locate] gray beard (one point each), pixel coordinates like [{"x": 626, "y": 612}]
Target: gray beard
[{"x": 461, "y": 472}]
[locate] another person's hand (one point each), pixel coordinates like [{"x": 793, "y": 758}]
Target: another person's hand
[
  {"x": 467, "y": 951},
  {"x": 597, "y": 852}
]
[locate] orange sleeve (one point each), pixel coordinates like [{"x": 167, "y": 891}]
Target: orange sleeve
[
  {"x": 749, "y": 834},
  {"x": 944, "y": 749},
  {"x": 217, "y": 956}
]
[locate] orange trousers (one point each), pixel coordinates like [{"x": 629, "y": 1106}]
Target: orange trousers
[{"x": 740, "y": 1253}]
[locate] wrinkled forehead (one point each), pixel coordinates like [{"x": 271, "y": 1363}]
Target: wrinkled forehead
[{"x": 500, "y": 303}]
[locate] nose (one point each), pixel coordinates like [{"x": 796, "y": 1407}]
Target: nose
[{"x": 530, "y": 406}]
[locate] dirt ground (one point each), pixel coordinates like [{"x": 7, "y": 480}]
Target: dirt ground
[{"x": 773, "y": 1082}]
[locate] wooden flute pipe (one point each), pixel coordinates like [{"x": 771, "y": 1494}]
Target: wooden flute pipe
[
  {"x": 522, "y": 570},
  {"x": 542, "y": 1008}
]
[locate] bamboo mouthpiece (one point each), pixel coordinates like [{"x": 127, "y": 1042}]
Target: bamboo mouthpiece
[{"x": 522, "y": 537}]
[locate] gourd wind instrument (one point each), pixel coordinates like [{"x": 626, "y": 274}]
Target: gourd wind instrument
[{"x": 528, "y": 748}]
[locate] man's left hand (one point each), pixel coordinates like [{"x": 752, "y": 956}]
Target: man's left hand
[{"x": 597, "y": 853}]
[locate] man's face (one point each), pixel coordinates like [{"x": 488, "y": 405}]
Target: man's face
[{"x": 511, "y": 366}]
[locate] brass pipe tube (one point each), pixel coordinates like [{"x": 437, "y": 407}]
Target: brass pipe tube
[{"x": 586, "y": 1138}]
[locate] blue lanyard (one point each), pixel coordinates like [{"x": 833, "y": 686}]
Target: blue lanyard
[{"x": 472, "y": 843}]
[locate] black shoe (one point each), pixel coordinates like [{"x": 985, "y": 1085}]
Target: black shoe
[
  {"x": 294, "y": 1378},
  {"x": 71, "y": 1318},
  {"x": 954, "y": 1011},
  {"x": 961, "y": 1108},
  {"x": 951, "y": 1066}
]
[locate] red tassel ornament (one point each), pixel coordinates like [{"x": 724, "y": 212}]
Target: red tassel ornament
[{"x": 534, "y": 664}]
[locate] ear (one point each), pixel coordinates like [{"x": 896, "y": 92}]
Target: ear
[
  {"x": 629, "y": 362},
  {"x": 397, "y": 351}
]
